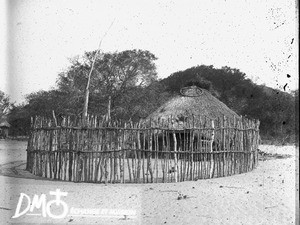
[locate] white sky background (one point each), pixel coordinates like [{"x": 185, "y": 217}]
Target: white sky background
[{"x": 256, "y": 37}]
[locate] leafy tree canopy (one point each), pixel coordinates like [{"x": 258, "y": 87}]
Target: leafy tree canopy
[
  {"x": 5, "y": 104},
  {"x": 274, "y": 108},
  {"x": 129, "y": 78},
  {"x": 114, "y": 75}
]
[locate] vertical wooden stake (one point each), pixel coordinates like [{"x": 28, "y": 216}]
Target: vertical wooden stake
[
  {"x": 175, "y": 156},
  {"x": 212, "y": 165}
]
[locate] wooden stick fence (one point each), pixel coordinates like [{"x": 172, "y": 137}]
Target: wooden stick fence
[{"x": 143, "y": 152}]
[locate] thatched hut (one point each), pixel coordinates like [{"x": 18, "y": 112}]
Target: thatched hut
[
  {"x": 4, "y": 126},
  {"x": 193, "y": 108},
  {"x": 193, "y": 102}
]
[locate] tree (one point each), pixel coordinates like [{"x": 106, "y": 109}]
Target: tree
[
  {"x": 113, "y": 75},
  {"x": 5, "y": 104},
  {"x": 139, "y": 102},
  {"x": 19, "y": 119},
  {"x": 39, "y": 103},
  {"x": 274, "y": 108},
  {"x": 127, "y": 78}
]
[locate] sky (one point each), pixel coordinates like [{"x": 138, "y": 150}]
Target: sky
[{"x": 38, "y": 37}]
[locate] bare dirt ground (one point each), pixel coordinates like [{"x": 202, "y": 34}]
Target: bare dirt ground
[{"x": 267, "y": 195}]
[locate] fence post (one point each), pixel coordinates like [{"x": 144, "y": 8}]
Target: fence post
[
  {"x": 212, "y": 164},
  {"x": 175, "y": 152}
]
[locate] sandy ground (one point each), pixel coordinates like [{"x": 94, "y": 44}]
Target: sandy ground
[{"x": 266, "y": 195}]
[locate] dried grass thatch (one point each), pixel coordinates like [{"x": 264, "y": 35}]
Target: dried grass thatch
[{"x": 192, "y": 103}]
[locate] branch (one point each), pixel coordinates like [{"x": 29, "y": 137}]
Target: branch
[{"x": 86, "y": 100}]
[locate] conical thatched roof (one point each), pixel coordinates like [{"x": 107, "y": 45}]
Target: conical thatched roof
[{"x": 193, "y": 101}]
